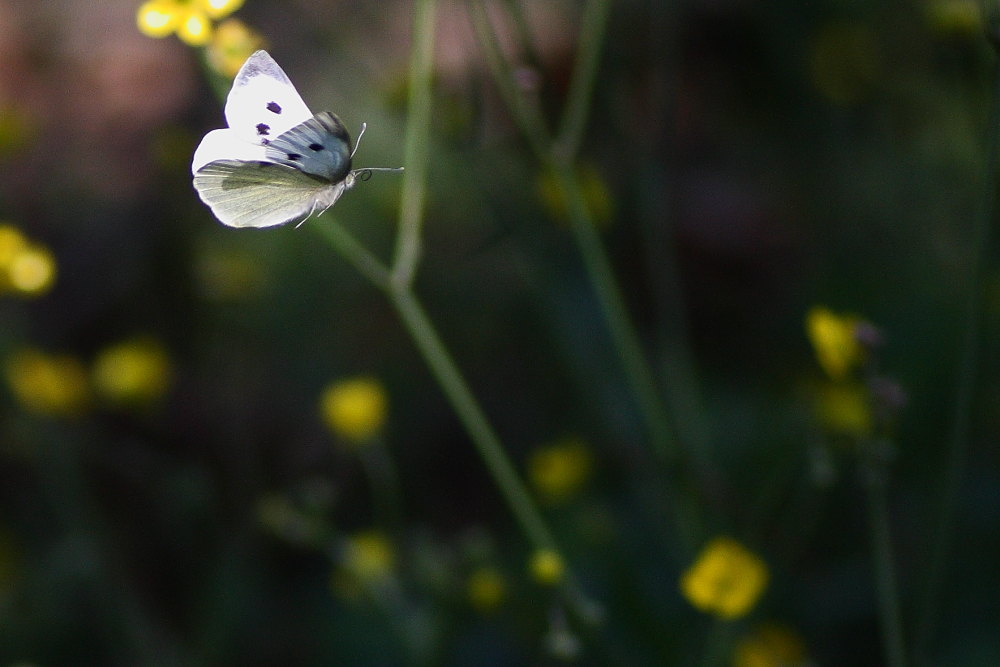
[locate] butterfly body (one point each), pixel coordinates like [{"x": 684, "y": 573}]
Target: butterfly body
[{"x": 276, "y": 163}]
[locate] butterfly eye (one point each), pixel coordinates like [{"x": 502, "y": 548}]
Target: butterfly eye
[{"x": 274, "y": 107}]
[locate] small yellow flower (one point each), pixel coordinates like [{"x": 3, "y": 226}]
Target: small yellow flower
[
  {"x": 485, "y": 589},
  {"x": 770, "y": 645},
  {"x": 547, "y": 567},
  {"x": 558, "y": 471},
  {"x": 845, "y": 409},
  {"x": 190, "y": 19},
  {"x": 46, "y": 384},
  {"x": 32, "y": 271},
  {"x": 232, "y": 43},
  {"x": 726, "y": 580},
  {"x": 834, "y": 338},
  {"x": 354, "y": 409},
  {"x": 369, "y": 556},
  {"x": 594, "y": 190},
  {"x": 132, "y": 372}
]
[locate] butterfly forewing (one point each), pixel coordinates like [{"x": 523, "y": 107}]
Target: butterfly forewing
[
  {"x": 263, "y": 103},
  {"x": 262, "y": 194},
  {"x": 320, "y": 146}
]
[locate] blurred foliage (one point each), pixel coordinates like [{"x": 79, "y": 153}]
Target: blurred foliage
[{"x": 172, "y": 485}]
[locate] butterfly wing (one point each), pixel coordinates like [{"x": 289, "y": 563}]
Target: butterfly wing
[
  {"x": 263, "y": 103},
  {"x": 262, "y": 194},
  {"x": 320, "y": 146}
]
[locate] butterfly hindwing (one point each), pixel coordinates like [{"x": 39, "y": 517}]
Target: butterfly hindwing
[
  {"x": 262, "y": 194},
  {"x": 320, "y": 146}
]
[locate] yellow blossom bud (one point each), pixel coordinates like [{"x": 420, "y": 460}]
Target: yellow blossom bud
[
  {"x": 157, "y": 18},
  {"x": 194, "y": 28},
  {"x": 547, "y": 567},
  {"x": 32, "y": 271},
  {"x": 559, "y": 471},
  {"x": 232, "y": 43},
  {"x": 47, "y": 384},
  {"x": 369, "y": 556},
  {"x": 834, "y": 338},
  {"x": 726, "y": 580},
  {"x": 485, "y": 589},
  {"x": 134, "y": 371},
  {"x": 220, "y": 8},
  {"x": 354, "y": 409},
  {"x": 769, "y": 645}
]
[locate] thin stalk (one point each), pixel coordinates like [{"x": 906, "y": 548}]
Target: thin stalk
[
  {"x": 362, "y": 259},
  {"x": 561, "y": 162},
  {"x": 958, "y": 443},
  {"x": 885, "y": 572},
  {"x": 485, "y": 439},
  {"x": 581, "y": 88},
  {"x": 416, "y": 150}
]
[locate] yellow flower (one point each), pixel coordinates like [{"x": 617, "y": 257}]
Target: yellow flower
[
  {"x": 485, "y": 589},
  {"x": 231, "y": 45},
  {"x": 726, "y": 580},
  {"x": 770, "y": 645},
  {"x": 354, "y": 409},
  {"x": 558, "y": 471},
  {"x": 547, "y": 567},
  {"x": 25, "y": 267},
  {"x": 47, "y": 384},
  {"x": 369, "y": 556},
  {"x": 834, "y": 338},
  {"x": 190, "y": 19},
  {"x": 845, "y": 409},
  {"x": 594, "y": 190},
  {"x": 134, "y": 371}
]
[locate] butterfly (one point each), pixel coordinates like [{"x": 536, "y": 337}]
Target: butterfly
[{"x": 277, "y": 162}]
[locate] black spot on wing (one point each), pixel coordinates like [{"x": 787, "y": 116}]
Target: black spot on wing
[
  {"x": 294, "y": 157},
  {"x": 316, "y": 147},
  {"x": 274, "y": 107},
  {"x": 263, "y": 129}
]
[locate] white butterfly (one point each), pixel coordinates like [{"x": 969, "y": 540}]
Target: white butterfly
[{"x": 277, "y": 162}]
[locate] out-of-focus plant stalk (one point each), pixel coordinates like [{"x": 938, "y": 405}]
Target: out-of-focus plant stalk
[
  {"x": 886, "y": 587},
  {"x": 958, "y": 444},
  {"x": 559, "y": 157},
  {"x": 397, "y": 283}
]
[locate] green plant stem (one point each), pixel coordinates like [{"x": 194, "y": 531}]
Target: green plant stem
[
  {"x": 419, "y": 326},
  {"x": 958, "y": 443},
  {"x": 885, "y": 573},
  {"x": 581, "y": 88},
  {"x": 560, "y": 160},
  {"x": 416, "y": 153}
]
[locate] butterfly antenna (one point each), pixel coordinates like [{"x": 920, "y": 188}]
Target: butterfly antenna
[{"x": 364, "y": 126}]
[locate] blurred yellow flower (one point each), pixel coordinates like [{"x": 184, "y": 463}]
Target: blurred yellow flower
[
  {"x": 594, "y": 189},
  {"x": 558, "y": 471},
  {"x": 845, "y": 409},
  {"x": 231, "y": 45},
  {"x": 547, "y": 567},
  {"x": 726, "y": 580},
  {"x": 834, "y": 338},
  {"x": 485, "y": 589},
  {"x": 54, "y": 385},
  {"x": 845, "y": 62},
  {"x": 132, "y": 372},
  {"x": 369, "y": 556},
  {"x": 354, "y": 409},
  {"x": 191, "y": 20},
  {"x": 770, "y": 645},
  {"x": 26, "y": 268}
]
